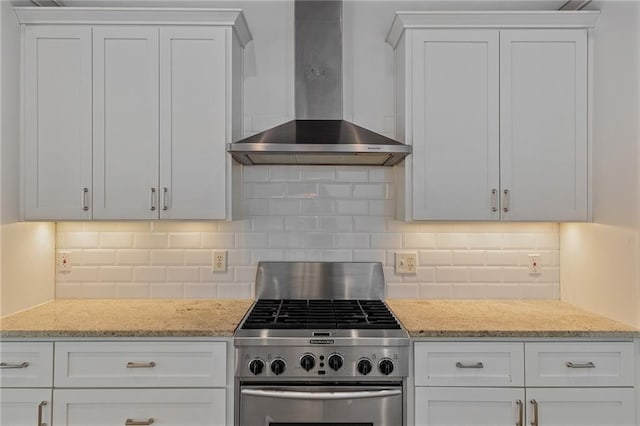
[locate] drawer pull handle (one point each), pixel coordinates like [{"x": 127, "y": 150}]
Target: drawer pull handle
[
  {"x": 141, "y": 365},
  {"x": 534, "y": 422},
  {"x": 131, "y": 422},
  {"x": 4, "y": 365},
  {"x": 40, "y": 407},
  {"x": 520, "y": 421},
  {"x": 585, "y": 365},
  {"x": 476, "y": 365}
]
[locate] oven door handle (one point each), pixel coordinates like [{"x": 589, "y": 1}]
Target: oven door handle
[{"x": 321, "y": 395}]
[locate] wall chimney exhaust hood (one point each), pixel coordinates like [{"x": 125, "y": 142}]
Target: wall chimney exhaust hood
[{"x": 318, "y": 135}]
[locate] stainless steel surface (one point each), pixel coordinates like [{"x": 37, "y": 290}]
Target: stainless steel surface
[
  {"x": 494, "y": 200},
  {"x": 318, "y": 142},
  {"x": 318, "y": 59},
  {"x": 40, "y": 409},
  {"x": 291, "y": 354},
  {"x": 131, "y": 422},
  {"x": 320, "y": 280},
  {"x": 379, "y": 405},
  {"x": 152, "y": 200},
  {"x": 506, "y": 200},
  {"x": 584, "y": 365},
  {"x": 141, "y": 364},
  {"x": 318, "y": 136},
  {"x": 520, "y": 421},
  {"x": 165, "y": 195},
  {"x": 475, "y": 365},
  {"x": 4, "y": 365},
  {"x": 321, "y": 395},
  {"x": 85, "y": 204},
  {"x": 574, "y": 4},
  {"x": 534, "y": 421}
]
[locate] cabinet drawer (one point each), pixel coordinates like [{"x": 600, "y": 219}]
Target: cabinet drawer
[
  {"x": 580, "y": 364},
  {"x": 160, "y": 407},
  {"x": 26, "y": 365},
  {"x": 469, "y": 364},
  {"x": 136, "y": 364}
]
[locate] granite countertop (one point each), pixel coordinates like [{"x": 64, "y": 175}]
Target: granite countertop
[
  {"x": 215, "y": 318},
  {"x": 127, "y": 318},
  {"x": 508, "y": 318}
]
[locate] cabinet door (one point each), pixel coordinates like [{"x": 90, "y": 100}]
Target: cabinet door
[
  {"x": 543, "y": 124},
  {"x": 455, "y": 130},
  {"x": 575, "y": 406},
  {"x": 193, "y": 72},
  {"x": 167, "y": 407},
  {"x": 125, "y": 101},
  {"x": 468, "y": 406},
  {"x": 25, "y": 407},
  {"x": 57, "y": 122}
]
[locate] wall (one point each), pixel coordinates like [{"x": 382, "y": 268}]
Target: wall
[
  {"x": 307, "y": 213},
  {"x": 601, "y": 261},
  {"x": 27, "y": 256}
]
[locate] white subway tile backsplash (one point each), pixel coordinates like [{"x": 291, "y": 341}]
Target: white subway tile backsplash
[
  {"x": 218, "y": 240},
  {"x": 115, "y": 274},
  {"x": 150, "y": 240},
  {"x": 285, "y": 207},
  {"x": 185, "y": 240},
  {"x": 285, "y": 174},
  {"x": 312, "y": 213},
  {"x": 182, "y": 274},
  {"x": 302, "y": 190}
]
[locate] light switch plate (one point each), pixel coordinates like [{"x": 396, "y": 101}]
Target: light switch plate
[{"x": 406, "y": 262}]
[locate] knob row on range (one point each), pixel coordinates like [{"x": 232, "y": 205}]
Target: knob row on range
[{"x": 335, "y": 361}]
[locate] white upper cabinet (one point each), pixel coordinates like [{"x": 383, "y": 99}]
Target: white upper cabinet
[
  {"x": 125, "y": 122},
  {"x": 57, "y": 122},
  {"x": 495, "y": 106},
  {"x": 193, "y": 120},
  {"x": 456, "y": 165},
  {"x": 543, "y": 124},
  {"x": 128, "y": 116}
]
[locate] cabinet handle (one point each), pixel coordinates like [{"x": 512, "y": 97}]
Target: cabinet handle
[
  {"x": 4, "y": 365},
  {"x": 40, "y": 407},
  {"x": 534, "y": 422},
  {"x": 131, "y": 422},
  {"x": 506, "y": 200},
  {"x": 141, "y": 364},
  {"x": 494, "y": 200},
  {"x": 152, "y": 200},
  {"x": 165, "y": 192},
  {"x": 520, "y": 421},
  {"x": 476, "y": 365},
  {"x": 585, "y": 365},
  {"x": 85, "y": 201}
]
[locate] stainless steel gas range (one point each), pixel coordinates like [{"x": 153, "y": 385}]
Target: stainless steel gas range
[{"x": 320, "y": 347}]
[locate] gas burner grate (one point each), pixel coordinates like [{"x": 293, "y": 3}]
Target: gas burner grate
[{"x": 320, "y": 314}]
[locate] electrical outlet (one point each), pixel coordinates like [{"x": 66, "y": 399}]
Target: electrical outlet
[
  {"x": 219, "y": 261},
  {"x": 534, "y": 264},
  {"x": 406, "y": 263},
  {"x": 64, "y": 261}
]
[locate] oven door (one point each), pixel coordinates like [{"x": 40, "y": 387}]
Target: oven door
[{"x": 321, "y": 405}]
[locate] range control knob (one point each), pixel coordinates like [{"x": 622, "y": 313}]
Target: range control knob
[
  {"x": 336, "y": 361},
  {"x": 364, "y": 366},
  {"x": 385, "y": 366},
  {"x": 256, "y": 366},
  {"x": 278, "y": 366},
  {"x": 307, "y": 361}
]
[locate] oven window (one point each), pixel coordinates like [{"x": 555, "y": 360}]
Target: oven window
[{"x": 320, "y": 424}]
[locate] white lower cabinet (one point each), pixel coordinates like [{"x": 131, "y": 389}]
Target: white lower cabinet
[
  {"x": 581, "y": 406},
  {"x": 565, "y": 383},
  {"x": 469, "y": 406},
  {"x": 25, "y": 407},
  {"x": 161, "y": 407}
]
